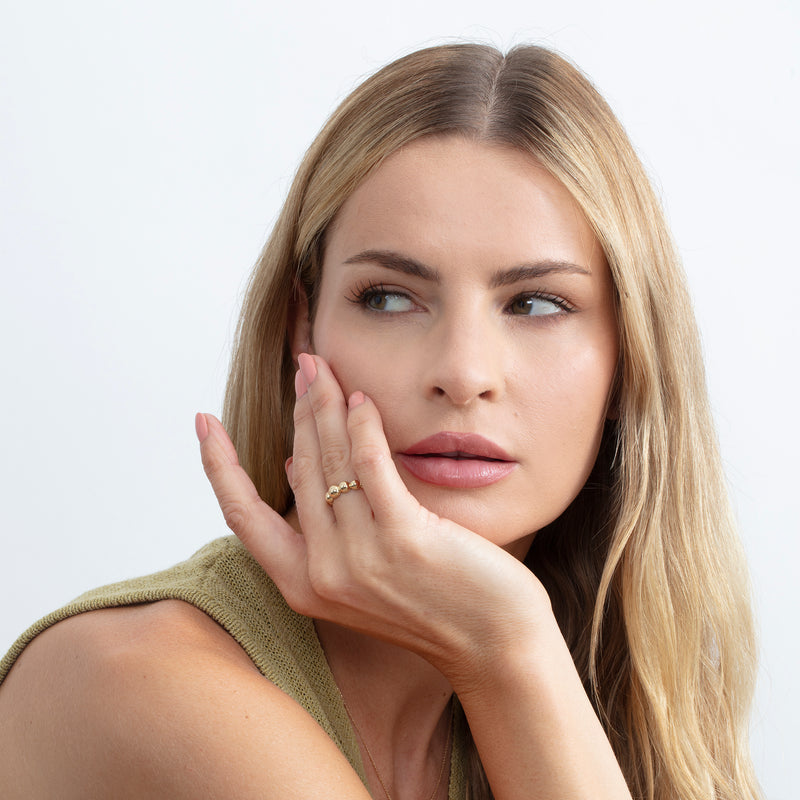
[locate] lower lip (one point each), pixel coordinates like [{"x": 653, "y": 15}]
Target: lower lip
[{"x": 459, "y": 473}]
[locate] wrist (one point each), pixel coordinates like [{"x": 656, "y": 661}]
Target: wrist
[{"x": 523, "y": 651}]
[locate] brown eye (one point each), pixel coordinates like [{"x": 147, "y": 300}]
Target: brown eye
[
  {"x": 376, "y": 302},
  {"x": 387, "y": 301},
  {"x": 530, "y": 305}
]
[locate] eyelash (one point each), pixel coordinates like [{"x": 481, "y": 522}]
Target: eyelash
[
  {"x": 362, "y": 293},
  {"x": 558, "y": 301}
]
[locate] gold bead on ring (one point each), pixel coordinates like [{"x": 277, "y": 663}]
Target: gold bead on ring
[{"x": 340, "y": 488}]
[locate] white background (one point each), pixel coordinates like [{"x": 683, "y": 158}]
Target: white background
[{"x": 144, "y": 150}]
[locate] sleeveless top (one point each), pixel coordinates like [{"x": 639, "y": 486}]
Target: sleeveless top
[{"x": 227, "y": 583}]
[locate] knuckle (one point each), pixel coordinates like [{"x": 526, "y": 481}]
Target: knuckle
[
  {"x": 215, "y": 471},
  {"x": 210, "y": 459},
  {"x": 237, "y": 517},
  {"x": 322, "y": 582},
  {"x": 334, "y": 461},
  {"x": 303, "y": 471},
  {"x": 321, "y": 401},
  {"x": 299, "y": 600},
  {"x": 368, "y": 456},
  {"x": 301, "y": 604},
  {"x": 330, "y": 583},
  {"x": 210, "y": 468},
  {"x": 302, "y": 464},
  {"x": 359, "y": 424},
  {"x": 302, "y": 412}
]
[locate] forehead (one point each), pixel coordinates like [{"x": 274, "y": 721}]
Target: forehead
[{"x": 449, "y": 197}]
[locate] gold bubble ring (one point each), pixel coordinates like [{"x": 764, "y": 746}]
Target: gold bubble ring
[{"x": 338, "y": 489}]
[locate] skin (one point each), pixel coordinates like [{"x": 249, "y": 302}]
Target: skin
[
  {"x": 537, "y": 384},
  {"x": 420, "y": 356}
]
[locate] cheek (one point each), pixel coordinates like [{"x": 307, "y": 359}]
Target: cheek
[
  {"x": 570, "y": 383},
  {"x": 586, "y": 384},
  {"x": 566, "y": 414},
  {"x": 360, "y": 368}
]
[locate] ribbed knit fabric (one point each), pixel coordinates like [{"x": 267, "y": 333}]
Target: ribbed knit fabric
[{"x": 225, "y": 581}]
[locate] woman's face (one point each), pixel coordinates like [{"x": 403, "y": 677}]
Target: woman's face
[{"x": 464, "y": 292}]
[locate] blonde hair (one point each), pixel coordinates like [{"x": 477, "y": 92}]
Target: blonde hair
[{"x": 644, "y": 569}]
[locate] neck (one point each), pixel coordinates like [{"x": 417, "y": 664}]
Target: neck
[{"x": 399, "y": 705}]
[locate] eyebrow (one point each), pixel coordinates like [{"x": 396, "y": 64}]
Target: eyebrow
[
  {"x": 502, "y": 277},
  {"x": 506, "y": 277},
  {"x": 395, "y": 261}
]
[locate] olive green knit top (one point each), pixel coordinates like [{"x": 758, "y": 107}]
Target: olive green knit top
[{"x": 224, "y": 581}]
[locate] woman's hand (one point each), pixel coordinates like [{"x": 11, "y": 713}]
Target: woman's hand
[
  {"x": 378, "y": 562},
  {"x": 375, "y": 560}
]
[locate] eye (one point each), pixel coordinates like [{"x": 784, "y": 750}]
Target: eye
[
  {"x": 387, "y": 301},
  {"x": 378, "y": 298},
  {"x": 538, "y": 305}
]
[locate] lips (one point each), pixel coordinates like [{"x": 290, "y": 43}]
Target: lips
[{"x": 457, "y": 460}]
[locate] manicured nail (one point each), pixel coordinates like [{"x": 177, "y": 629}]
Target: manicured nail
[
  {"x": 307, "y": 367},
  {"x": 201, "y": 427},
  {"x": 356, "y": 399},
  {"x": 300, "y": 387}
]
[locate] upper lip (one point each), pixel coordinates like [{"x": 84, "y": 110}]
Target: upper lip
[{"x": 458, "y": 445}]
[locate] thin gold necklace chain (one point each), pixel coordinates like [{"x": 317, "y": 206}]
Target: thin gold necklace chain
[{"x": 375, "y": 766}]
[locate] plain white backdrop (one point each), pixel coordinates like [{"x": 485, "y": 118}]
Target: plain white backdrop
[{"x": 144, "y": 151}]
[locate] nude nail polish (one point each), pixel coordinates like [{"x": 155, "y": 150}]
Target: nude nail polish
[
  {"x": 356, "y": 399},
  {"x": 300, "y": 387},
  {"x": 307, "y": 367},
  {"x": 201, "y": 427}
]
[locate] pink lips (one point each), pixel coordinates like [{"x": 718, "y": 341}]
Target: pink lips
[{"x": 459, "y": 460}]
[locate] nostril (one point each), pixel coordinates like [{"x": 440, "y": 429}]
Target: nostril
[{"x": 464, "y": 374}]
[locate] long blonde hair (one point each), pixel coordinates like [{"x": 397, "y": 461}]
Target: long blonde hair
[{"x": 644, "y": 569}]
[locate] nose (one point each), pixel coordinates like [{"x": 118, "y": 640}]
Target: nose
[{"x": 464, "y": 360}]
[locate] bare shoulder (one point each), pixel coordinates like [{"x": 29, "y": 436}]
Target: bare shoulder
[{"x": 156, "y": 701}]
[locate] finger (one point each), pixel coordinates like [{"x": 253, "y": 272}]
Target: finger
[
  {"x": 371, "y": 458},
  {"x": 306, "y": 478},
  {"x": 330, "y": 416},
  {"x": 271, "y": 540},
  {"x": 322, "y": 446}
]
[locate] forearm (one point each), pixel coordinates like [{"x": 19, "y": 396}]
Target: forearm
[{"x": 535, "y": 729}]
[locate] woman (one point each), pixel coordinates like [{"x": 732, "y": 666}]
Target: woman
[{"x": 477, "y": 461}]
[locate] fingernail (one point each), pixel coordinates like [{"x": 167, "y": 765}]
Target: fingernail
[
  {"x": 356, "y": 399},
  {"x": 201, "y": 427},
  {"x": 307, "y": 367},
  {"x": 300, "y": 387},
  {"x": 288, "y": 467}
]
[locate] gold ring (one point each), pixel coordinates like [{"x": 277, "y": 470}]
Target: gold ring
[{"x": 340, "y": 488}]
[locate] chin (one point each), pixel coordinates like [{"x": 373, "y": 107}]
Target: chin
[{"x": 481, "y": 514}]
